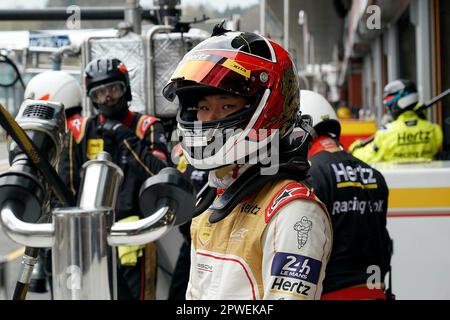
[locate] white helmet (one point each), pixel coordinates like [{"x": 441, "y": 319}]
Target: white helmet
[
  {"x": 57, "y": 86},
  {"x": 322, "y": 113}
]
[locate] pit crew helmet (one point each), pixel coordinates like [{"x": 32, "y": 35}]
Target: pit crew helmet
[
  {"x": 57, "y": 86},
  {"x": 399, "y": 96},
  {"x": 324, "y": 118},
  {"x": 105, "y": 76}
]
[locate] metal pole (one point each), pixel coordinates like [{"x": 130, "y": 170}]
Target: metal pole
[
  {"x": 84, "y": 266},
  {"x": 312, "y": 52},
  {"x": 262, "y": 17},
  {"x": 377, "y": 78},
  {"x": 57, "y": 56},
  {"x": 303, "y": 22},
  {"x": 149, "y": 57},
  {"x": 61, "y": 14},
  {"x": 286, "y": 24},
  {"x": 421, "y": 19},
  {"x": 393, "y": 53},
  {"x": 367, "y": 80},
  {"x": 133, "y": 15}
]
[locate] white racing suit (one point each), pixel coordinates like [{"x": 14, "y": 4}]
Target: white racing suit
[{"x": 275, "y": 244}]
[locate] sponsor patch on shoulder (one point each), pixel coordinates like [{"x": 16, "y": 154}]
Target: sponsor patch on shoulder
[
  {"x": 77, "y": 125},
  {"x": 145, "y": 122},
  {"x": 148, "y": 121},
  {"x": 296, "y": 266},
  {"x": 289, "y": 192}
]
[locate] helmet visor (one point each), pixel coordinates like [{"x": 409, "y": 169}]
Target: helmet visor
[
  {"x": 113, "y": 91},
  {"x": 218, "y": 72},
  {"x": 390, "y": 99}
]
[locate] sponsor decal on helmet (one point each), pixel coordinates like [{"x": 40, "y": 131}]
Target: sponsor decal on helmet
[
  {"x": 122, "y": 68},
  {"x": 236, "y": 67}
]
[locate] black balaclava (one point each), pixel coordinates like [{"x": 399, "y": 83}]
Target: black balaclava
[{"x": 116, "y": 112}]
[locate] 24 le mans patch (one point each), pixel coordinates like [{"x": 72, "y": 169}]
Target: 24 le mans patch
[{"x": 296, "y": 266}]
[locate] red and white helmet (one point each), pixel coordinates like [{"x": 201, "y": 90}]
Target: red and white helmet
[
  {"x": 57, "y": 86},
  {"x": 250, "y": 66}
]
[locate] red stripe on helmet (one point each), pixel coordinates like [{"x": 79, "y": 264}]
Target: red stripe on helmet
[{"x": 45, "y": 97}]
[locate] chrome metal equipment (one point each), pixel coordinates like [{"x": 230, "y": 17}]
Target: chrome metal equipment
[
  {"x": 83, "y": 237},
  {"x": 35, "y": 140},
  {"x": 83, "y": 265}
]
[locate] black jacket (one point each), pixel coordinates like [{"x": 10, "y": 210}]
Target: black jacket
[
  {"x": 356, "y": 196},
  {"x": 144, "y": 154}
]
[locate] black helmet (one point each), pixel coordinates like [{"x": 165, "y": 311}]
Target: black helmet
[
  {"x": 399, "y": 96},
  {"x": 106, "y": 70}
]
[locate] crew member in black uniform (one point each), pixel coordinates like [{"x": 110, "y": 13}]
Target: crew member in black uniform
[
  {"x": 356, "y": 196},
  {"x": 137, "y": 144},
  {"x": 180, "y": 276}
]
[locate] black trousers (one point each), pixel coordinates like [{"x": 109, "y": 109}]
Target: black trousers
[
  {"x": 180, "y": 276},
  {"x": 129, "y": 280}
]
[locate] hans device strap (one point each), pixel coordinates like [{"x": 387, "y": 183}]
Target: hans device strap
[
  {"x": 250, "y": 181},
  {"x": 292, "y": 164}
]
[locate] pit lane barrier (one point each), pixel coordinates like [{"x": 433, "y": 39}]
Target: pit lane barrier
[{"x": 419, "y": 224}]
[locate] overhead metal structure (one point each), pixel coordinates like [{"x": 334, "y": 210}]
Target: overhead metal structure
[{"x": 323, "y": 22}]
